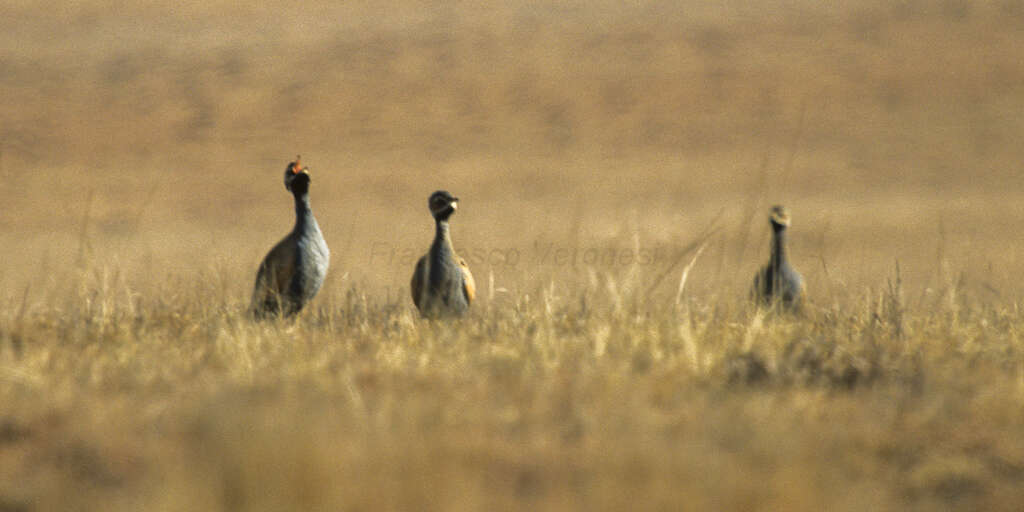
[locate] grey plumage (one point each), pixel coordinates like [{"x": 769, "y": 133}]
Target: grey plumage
[
  {"x": 294, "y": 270},
  {"x": 442, "y": 284},
  {"x": 778, "y": 281}
]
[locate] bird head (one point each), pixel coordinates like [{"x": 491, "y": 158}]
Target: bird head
[
  {"x": 442, "y": 204},
  {"x": 296, "y": 177},
  {"x": 779, "y": 217}
]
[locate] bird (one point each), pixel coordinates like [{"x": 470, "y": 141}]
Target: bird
[
  {"x": 442, "y": 285},
  {"x": 778, "y": 282},
  {"x": 294, "y": 270}
]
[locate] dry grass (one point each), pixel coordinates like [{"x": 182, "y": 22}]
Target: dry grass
[{"x": 595, "y": 146}]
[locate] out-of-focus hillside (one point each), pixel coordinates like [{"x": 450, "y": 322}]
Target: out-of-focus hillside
[
  {"x": 156, "y": 128},
  {"x": 93, "y": 82}
]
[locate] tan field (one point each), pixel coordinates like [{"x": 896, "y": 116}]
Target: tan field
[{"x": 608, "y": 364}]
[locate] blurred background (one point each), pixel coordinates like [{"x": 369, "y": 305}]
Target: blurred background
[{"x": 147, "y": 140}]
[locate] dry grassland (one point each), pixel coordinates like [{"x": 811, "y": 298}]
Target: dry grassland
[{"x": 595, "y": 146}]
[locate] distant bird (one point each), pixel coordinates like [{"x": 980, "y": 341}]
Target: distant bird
[
  {"x": 779, "y": 281},
  {"x": 442, "y": 284},
  {"x": 294, "y": 270}
]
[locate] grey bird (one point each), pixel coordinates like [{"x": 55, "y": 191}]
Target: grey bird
[
  {"x": 778, "y": 281},
  {"x": 442, "y": 285},
  {"x": 294, "y": 270}
]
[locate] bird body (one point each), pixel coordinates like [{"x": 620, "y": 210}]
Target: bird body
[
  {"x": 778, "y": 280},
  {"x": 442, "y": 284},
  {"x": 294, "y": 270}
]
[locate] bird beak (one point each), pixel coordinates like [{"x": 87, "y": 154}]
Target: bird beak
[{"x": 455, "y": 204}]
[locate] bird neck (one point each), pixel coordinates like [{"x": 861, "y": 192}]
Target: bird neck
[
  {"x": 303, "y": 210},
  {"x": 778, "y": 247},
  {"x": 442, "y": 234}
]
